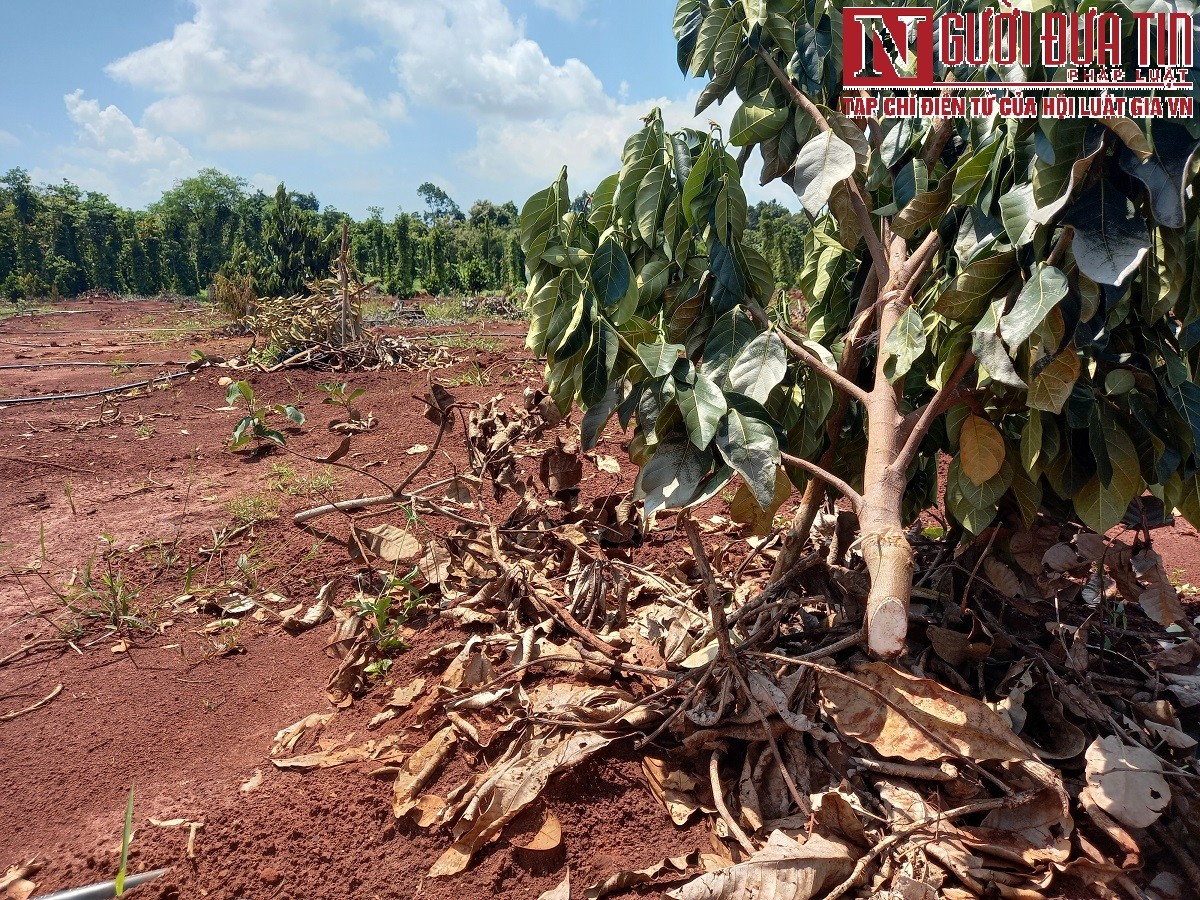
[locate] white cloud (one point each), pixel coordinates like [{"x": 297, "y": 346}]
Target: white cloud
[
  {"x": 8, "y": 139},
  {"x": 471, "y": 56},
  {"x": 256, "y": 74},
  {"x": 131, "y": 163},
  {"x": 570, "y": 10}
]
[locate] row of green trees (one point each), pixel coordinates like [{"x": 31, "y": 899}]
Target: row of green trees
[{"x": 58, "y": 239}]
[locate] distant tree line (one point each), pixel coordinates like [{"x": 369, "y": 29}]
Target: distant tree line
[{"x": 58, "y": 239}]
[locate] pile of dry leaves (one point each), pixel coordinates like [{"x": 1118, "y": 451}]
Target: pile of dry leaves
[{"x": 1039, "y": 739}]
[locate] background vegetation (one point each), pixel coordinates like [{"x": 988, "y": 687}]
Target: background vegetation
[{"x": 60, "y": 240}]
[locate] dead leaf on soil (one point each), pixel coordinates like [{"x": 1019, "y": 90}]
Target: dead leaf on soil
[
  {"x": 669, "y": 868},
  {"x": 389, "y": 543},
  {"x": 419, "y": 770},
  {"x": 1126, "y": 782},
  {"x": 782, "y": 869},
  {"x": 1159, "y": 600},
  {"x": 608, "y": 464},
  {"x": 541, "y": 833},
  {"x": 562, "y": 892},
  {"x": 960, "y": 723},
  {"x": 287, "y": 738},
  {"x": 516, "y": 781},
  {"x": 298, "y": 622},
  {"x": 15, "y": 884},
  {"x": 253, "y": 783},
  {"x": 673, "y": 788}
]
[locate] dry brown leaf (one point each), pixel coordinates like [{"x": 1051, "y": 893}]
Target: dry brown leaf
[
  {"x": 623, "y": 881},
  {"x": 745, "y": 509},
  {"x": 672, "y": 788},
  {"x": 961, "y": 723},
  {"x": 287, "y": 738},
  {"x": 1061, "y": 558},
  {"x": 435, "y": 564},
  {"x": 1160, "y": 600},
  {"x": 541, "y": 834},
  {"x": 390, "y": 543},
  {"x": 314, "y": 615},
  {"x": 332, "y": 759},
  {"x": 1003, "y": 578},
  {"x": 562, "y": 892},
  {"x": 782, "y": 870},
  {"x": 516, "y": 781},
  {"x": 420, "y": 769},
  {"x": 1172, "y": 736},
  {"x": 1092, "y": 547},
  {"x": 15, "y": 884},
  {"x": 253, "y": 783},
  {"x": 1126, "y": 782},
  {"x": 608, "y": 464}
]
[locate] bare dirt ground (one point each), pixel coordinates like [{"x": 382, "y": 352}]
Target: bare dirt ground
[
  {"x": 172, "y": 714},
  {"x": 137, "y": 486}
]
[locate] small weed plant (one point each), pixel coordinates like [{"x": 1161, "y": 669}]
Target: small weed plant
[{"x": 256, "y": 427}]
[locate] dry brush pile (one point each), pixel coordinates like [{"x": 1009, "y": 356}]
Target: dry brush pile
[{"x": 1039, "y": 739}]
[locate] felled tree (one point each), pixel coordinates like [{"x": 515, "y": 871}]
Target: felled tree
[{"x": 1021, "y": 295}]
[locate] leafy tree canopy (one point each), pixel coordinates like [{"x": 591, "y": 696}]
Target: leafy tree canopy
[{"x": 1022, "y": 295}]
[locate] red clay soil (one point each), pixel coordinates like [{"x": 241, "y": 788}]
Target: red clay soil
[
  {"x": 188, "y": 727},
  {"x": 185, "y": 726}
]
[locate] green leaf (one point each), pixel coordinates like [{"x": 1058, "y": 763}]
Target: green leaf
[
  {"x": 730, "y": 212},
  {"x": 975, "y": 506},
  {"x": 924, "y": 209},
  {"x": 294, "y": 414},
  {"x": 541, "y": 308},
  {"x": 598, "y": 364},
  {"x": 1102, "y": 507},
  {"x": 651, "y": 198},
  {"x": 673, "y": 476},
  {"x": 752, "y": 449},
  {"x": 729, "y": 286},
  {"x": 759, "y": 368},
  {"x": 989, "y": 349},
  {"x": 565, "y": 324},
  {"x": 538, "y": 215},
  {"x": 1044, "y": 291},
  {"x": 823, "y": 162},
  {"x": 703, "y": 405},
  {"x": 126, "y": 839},
  {"x": 975, "y": 287},
  {"x": 730, "y": 335},
  {"x": 1111, "y": 239},
  {"x": 597, "y": 416},
  {"x": 972, "y": 172},
  {"x": 611, "y": 273},
  {"x": 755, "y": 121},
  {"x": 660, "y": 359},
  {"x": 696, "y": 187},
  {"x": 904, "y": 344},
  {"x": 1185, "y": 397}
]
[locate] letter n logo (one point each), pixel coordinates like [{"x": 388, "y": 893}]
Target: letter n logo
[{"x": 881, "y": 43}]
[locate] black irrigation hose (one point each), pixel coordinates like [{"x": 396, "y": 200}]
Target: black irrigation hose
[
  {"x": 62, "y": 364},
  {"x": 115, "y": 389}
]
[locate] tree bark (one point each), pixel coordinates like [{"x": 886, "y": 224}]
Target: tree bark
[{"x": 884, "y": 544}]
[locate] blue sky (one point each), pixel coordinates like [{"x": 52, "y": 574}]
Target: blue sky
[{"x": 358, "y": 101}]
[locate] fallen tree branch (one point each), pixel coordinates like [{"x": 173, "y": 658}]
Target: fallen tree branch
[{"x": 980, "y": 806}]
